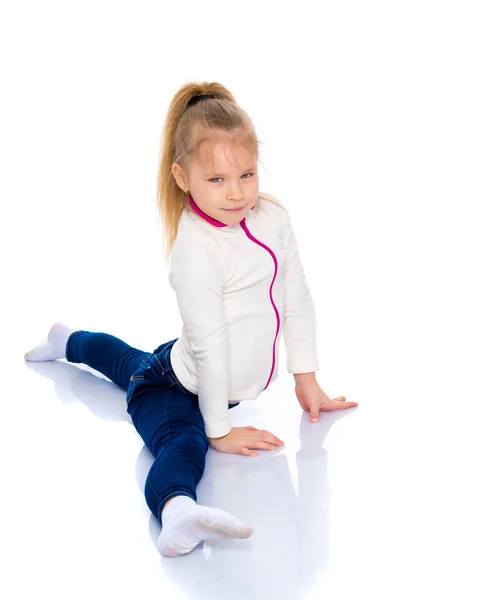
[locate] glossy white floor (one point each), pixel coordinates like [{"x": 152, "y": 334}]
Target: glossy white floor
[{"x": 380, "y": 498}]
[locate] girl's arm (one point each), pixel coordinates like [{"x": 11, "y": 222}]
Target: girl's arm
[
  {"x": 197, "y": 276},
  {"x": 299, "y": 328},
  {"x": 302, "y": 378}
]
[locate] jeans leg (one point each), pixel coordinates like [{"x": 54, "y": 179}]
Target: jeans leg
[
  {"x": 177, "y": 470},
  {"x": 172, "y": 427},
  {"x": 106, "y": 353}
]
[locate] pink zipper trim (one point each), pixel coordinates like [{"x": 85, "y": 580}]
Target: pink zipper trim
[
  {"x": 216, "y": 223},
  {"x": 251, "y": 237}
]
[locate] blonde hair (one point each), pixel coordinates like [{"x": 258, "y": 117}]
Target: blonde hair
[{"x": 185, "y": 128}]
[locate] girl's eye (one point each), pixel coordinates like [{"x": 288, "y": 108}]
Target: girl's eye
[{"x": 215, "y": 178}]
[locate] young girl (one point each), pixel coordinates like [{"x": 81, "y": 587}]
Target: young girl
[{"x": 239, "y": 283}]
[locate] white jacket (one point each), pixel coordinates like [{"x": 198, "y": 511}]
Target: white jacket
[{"x": 238, "y": 288}]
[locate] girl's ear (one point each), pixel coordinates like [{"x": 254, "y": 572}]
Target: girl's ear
[{"x": 179, "y": 176}]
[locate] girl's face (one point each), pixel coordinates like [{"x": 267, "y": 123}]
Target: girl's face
[{"x": 224, "y": 175}]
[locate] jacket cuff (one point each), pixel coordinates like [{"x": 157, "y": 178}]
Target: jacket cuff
[{"x": 217, "y": 430}]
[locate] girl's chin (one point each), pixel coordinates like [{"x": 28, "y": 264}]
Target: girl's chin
[{"x": 235, "y": 212}]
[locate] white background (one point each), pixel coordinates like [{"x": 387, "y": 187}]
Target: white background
[{"x": 368, "y": 114}]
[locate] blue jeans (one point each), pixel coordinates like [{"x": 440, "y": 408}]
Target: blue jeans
[{"x": 165, "y": 414}]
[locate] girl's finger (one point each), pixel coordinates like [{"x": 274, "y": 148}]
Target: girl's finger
[
  {"x": 265, "y": 446},
  {"x": 343, "y": 405},
  {"x": 338, "y": 405}
]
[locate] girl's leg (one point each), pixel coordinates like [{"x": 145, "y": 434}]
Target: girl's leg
[
  {"x": 172, "y": 427},
  {"x": 101, "y": 351},
  {"x": 106, "y": 353}
]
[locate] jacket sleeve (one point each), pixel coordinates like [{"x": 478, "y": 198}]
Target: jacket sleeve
[
  {"x": 299, "y": 328},
  {"x": 197, "y": 274}
]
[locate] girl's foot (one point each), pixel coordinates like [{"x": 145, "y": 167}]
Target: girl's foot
[
  {"x": 53, "y": 346},
  {"x": 186, "y": 524}
]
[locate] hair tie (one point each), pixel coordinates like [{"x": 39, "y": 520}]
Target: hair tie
[{"x": 197, "y": 99}]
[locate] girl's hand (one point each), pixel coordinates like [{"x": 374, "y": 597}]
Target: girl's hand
[
  {"x": 242, "y": 440},
  {"x": 312, "y": 399}
]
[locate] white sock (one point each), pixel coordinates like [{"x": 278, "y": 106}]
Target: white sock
[
  {"x": 53, "y": 346},
  {"x": 186, "y": 524}
]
